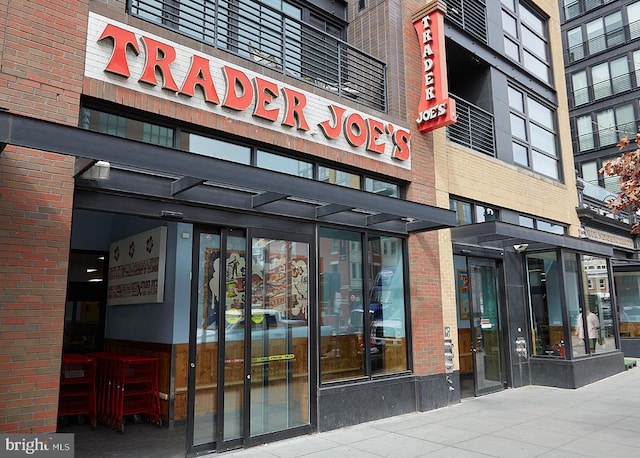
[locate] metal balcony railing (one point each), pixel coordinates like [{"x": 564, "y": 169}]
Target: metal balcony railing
[
  {"x": 276, "y": 40},
  {"x": 474, "y": 127},
  {"x": 593, "y": 135},
  {"x": 616, "y": 85},
  {"x": 604, "y": 41},
  {"x": 579, "y": 7},
  {"x": 470, "y": 15}
]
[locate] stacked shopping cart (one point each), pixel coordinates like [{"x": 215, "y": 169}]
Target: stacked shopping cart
[
  {"x": 127, "y": 388},
  {"x": 77, "y": 389}
]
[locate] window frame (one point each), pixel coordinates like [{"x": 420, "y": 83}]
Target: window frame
[
  {"x": 527, "y": 55},
  {"x": 524, "y": 114},
  {"x": 180, "y": 130}
]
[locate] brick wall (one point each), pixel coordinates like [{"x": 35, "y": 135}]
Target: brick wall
[{"x": 41, "y": 68}]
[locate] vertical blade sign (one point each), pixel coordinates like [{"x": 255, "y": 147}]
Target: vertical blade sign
[{"x": 436, "y": 109}]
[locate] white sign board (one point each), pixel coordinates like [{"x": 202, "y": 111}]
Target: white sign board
[{"x": 136, "y": 268}]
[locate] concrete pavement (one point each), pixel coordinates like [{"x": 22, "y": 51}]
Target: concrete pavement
[{"x": 598, "y": 420}]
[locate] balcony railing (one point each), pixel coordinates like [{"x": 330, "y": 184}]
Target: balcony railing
[
  {"x": 473, "y": 128},
  {"x": 470, "y": 15},
  {"x": 276, "y": 40},
  {"x": 616, "y": 85},
  {"x": 573, "y": 9},
  {"x": 604, "y": 136},
  {"x": 604, "y": 41}
]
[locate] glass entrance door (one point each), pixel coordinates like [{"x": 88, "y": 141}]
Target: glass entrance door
[
  {"x": 249, "y": 351},
  {"x": 485, "y": 326},
  {"x": 279, "y": 370}
]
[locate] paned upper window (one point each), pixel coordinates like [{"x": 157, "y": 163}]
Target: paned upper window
[
  {"x": 602, "y": 80},
  {"x": 525, "y": 38},
  {"x": 605, "y": 127},
  {"x": 533, "y": 133}
]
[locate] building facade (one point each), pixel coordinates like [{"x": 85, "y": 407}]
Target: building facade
[
  {"x": 601, "y": 58},
  {"x": 311, "y": 213}
]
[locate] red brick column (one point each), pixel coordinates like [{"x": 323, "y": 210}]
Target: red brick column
[{"x": 41, "y": 68}]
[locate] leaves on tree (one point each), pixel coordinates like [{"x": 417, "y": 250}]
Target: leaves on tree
[{"x": 627, "y": 168}]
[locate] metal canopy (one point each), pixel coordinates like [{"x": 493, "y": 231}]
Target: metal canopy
[
  {"x": 168, "y": 174},
  {"x": 500, "y": 234}
]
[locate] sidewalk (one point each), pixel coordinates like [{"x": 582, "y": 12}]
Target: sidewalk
[{"x": 598, "y": 420}]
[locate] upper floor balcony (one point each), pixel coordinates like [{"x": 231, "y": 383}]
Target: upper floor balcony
[
  {"x": 574, "y": 8},
  {"x": 275, "y": 39},
  {"x": 580, "y": 48},
  {"x": 474, "y": 127},
  {"x": 470, "y": 16}
]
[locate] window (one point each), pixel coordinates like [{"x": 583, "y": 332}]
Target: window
[
  {"x": 620, "y": 76},
  {"x": 591, "y": 174},
  {"x": 633, "y": 16},
  {"x": 120, "y": 126},
  {"x": 469, "y": 213},
  {"x": 573, "y": 8},
  {"x": 381, "y": 187},
  {"x": 614, "y": 123},
  {"x": 284, "y": 164},
  {"x": 572, "y": 275},
  {"x": 586, "y": 139},
  {"x": 545, "y": 304},
  {"x": 216, "y": 148},
  {"x": 604, "y": 33},
  {"x": 549, "y": 291},
  {"x": 526, "y": 221},
  {"x": 580, "y": 88},
  {"x": 611, "y": 78},
  {"x": 607, "y": 78},
  {"x": 636, "y": 66},
  {"x": 596, "y": 318},
  {"x": 344, "y": 298},
  {"x": 339, "y": 177},
  {"x": 628, "y": 298},
  {"x": 533, "y": 130},
  {"x": 607, "y": 128},
  {"x": 576, "y": 44},
  {"x": 541, "y": 225},
  {"x": 525, "y": 38},
  {"x": 550, "y": 227}
]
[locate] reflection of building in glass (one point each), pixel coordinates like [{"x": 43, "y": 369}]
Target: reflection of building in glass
[{"x": 601, "y": 54}]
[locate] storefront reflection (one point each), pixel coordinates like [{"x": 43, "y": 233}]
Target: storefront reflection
[{"x": 361, "y": 345}]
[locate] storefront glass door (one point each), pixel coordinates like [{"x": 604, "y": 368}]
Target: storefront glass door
[
  {"x": 279, "y": 372},
  {"x": 249, "y": 357},
  {"x": 485, "y": 326}
]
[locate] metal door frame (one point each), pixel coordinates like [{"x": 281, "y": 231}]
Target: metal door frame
[
  {"x": 502, "y": 354},
  {"x": 219, "y": 444}
]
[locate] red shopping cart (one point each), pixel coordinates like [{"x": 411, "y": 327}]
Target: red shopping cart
[{"x": 77, "y": 389}]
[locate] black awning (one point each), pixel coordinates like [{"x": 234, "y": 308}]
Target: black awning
[
  {"x": 503, "y": 235},
  {"x": 174, "y": 175}
]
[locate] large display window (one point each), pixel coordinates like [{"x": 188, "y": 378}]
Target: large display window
[
  {"x": 628, "y": 295},
  {"x": 545, "y": 302},
  {"x": 355, "y": 343},
  {"x": 570, "y": 304}
]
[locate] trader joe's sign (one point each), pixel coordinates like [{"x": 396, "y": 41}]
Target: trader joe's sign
[
  {"x": 138, "y": 60},
  {"x": 136, "y": 268},
  {"x": 435, "y": 109}
]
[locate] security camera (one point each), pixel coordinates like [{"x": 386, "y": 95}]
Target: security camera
[{"x": 520, "y": 248}]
